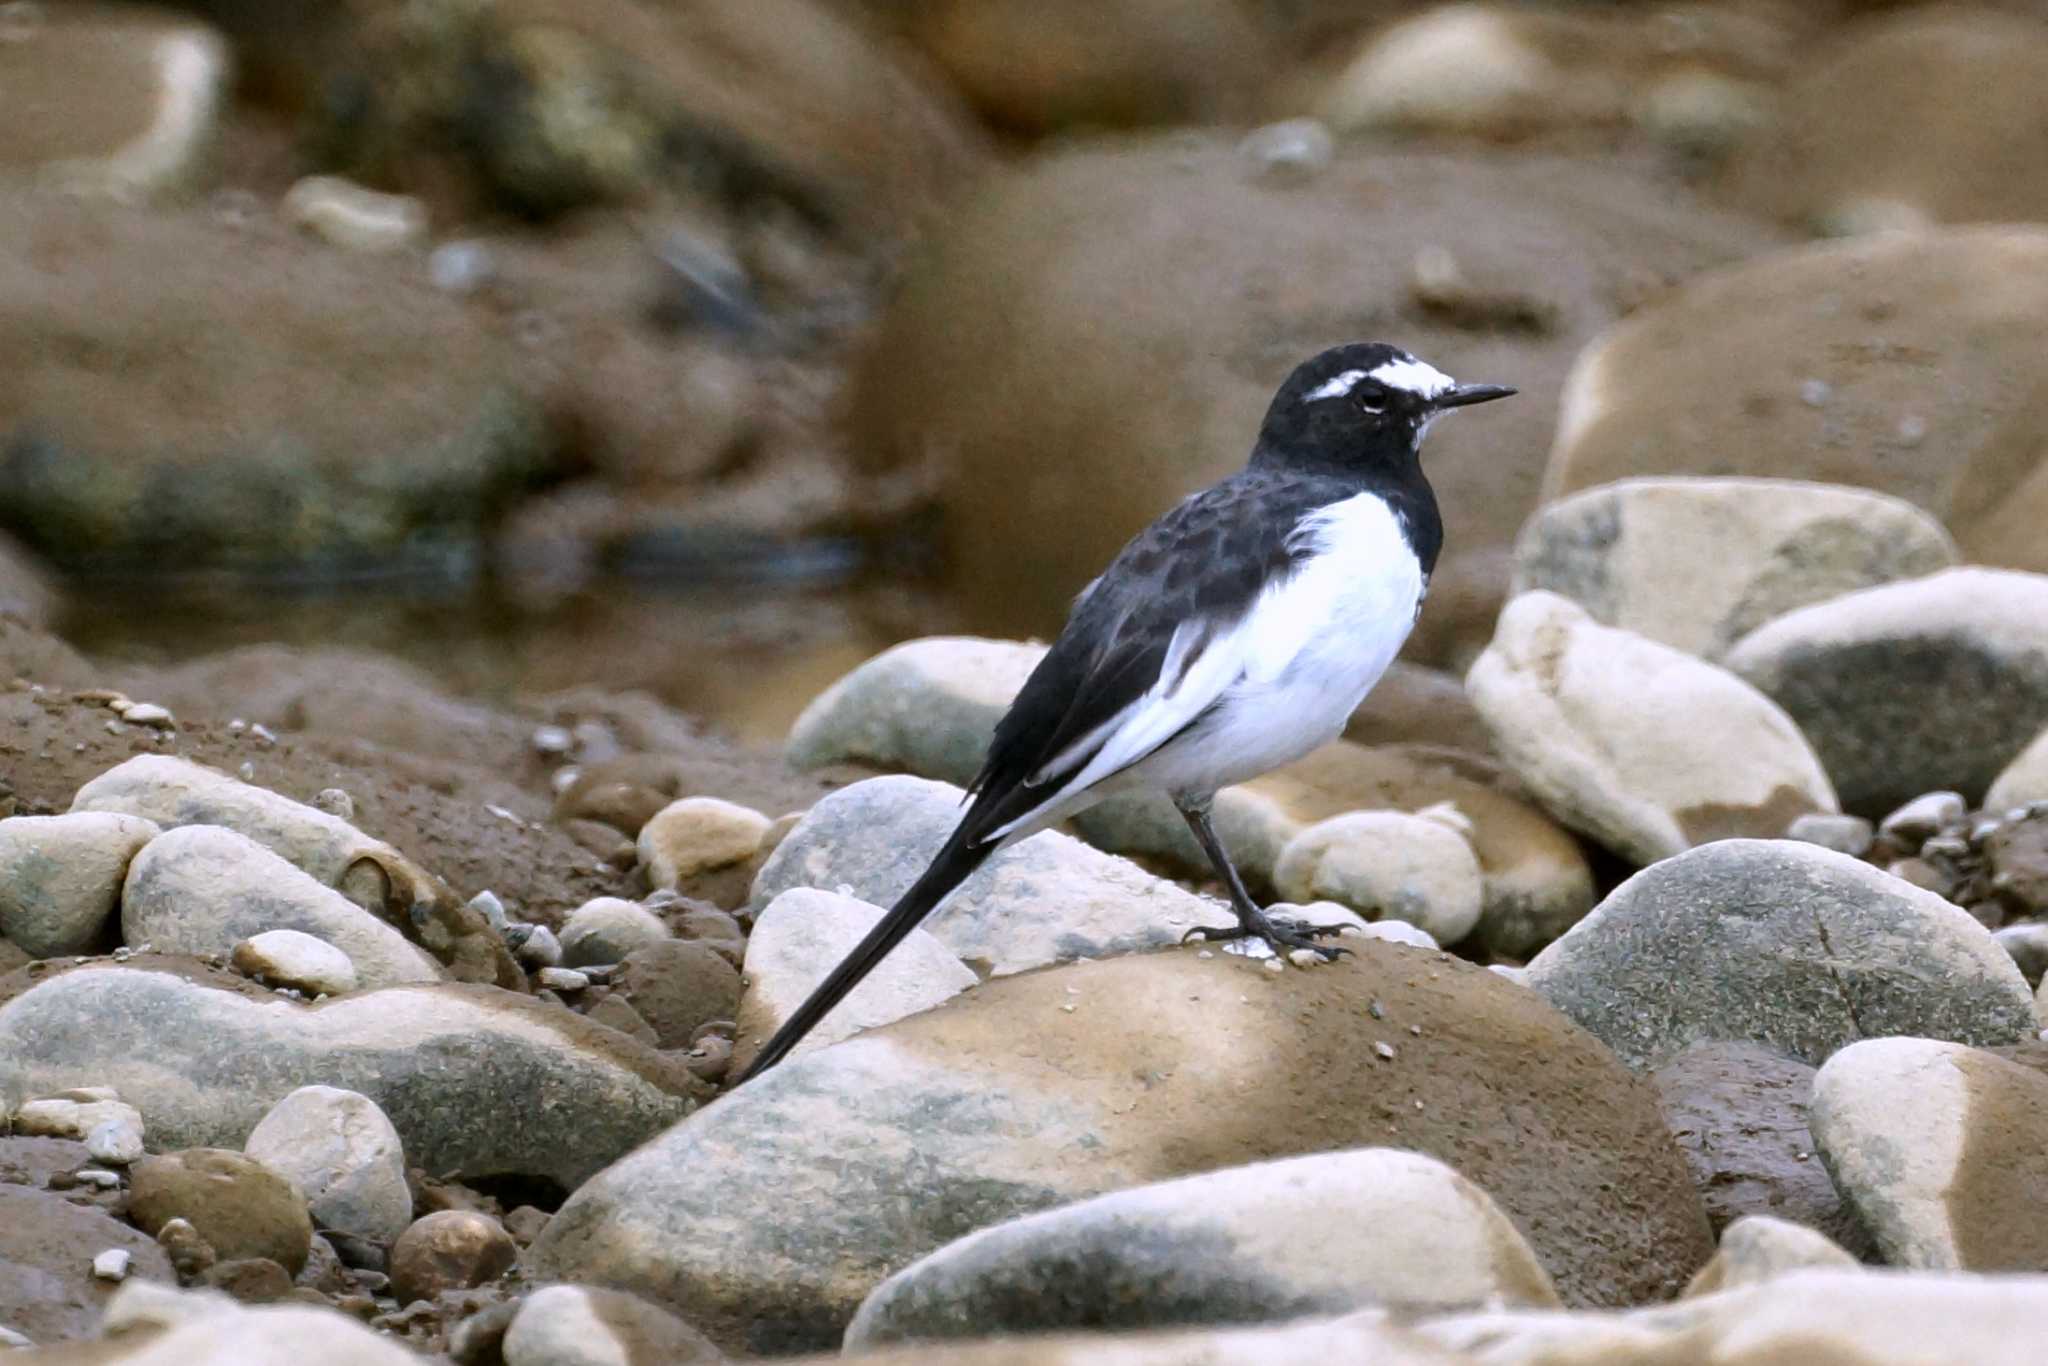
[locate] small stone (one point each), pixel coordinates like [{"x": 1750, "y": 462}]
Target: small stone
[
  {"x": 8, "y": 1337},
  {"x": 116, "y": 1141},
  {"x": 525, "y": 1222},
  {"x": 679, "y": 985},
  {"x": 461, "y": 268},
  {"x": 99, "y": 1178},
  {"x": 579, "y": 1325},
  {"x": 614, "y": 1012},
  {"x": 190, "y": 1254},
  {"x": 1399, "y": 932},
  {"x": 349, "y": 215},
  {"x": 449, "y": 1250},
  {"x": 249, "y": 1280},
  {"x": 697, "y": 835},
  {"x": 335, "y": 801},
  {"x": 562, "y": 979},
  {"x": 203, "y": 889},
  {"x": 537, "y": 948},
  {"x": 1387, "y": 864},
  {"x": 112, "y": 1130},
  {"x": 149, "y": 714},
  {"x": 345, "y": 1157},
  {"x": 112, "y": 1265},
  {"x": 1924, "y": 817},
  {"x": 1849, "y": 835},
  {"x": 1290, "y": 150},
  {"x": 606, "y": 929},
  {"x": 2028, "y": 945},
  {"x": 1384, "y": 1050},
  {"x": 290, "y": 958},
  {"x": 324, "y": 1270},
  {"x": 709, "y": 925},
  {"x": 487, "y": 905},
  {"x": 1756, "y": 1247},
  {"x": 239, "y": 1206}
]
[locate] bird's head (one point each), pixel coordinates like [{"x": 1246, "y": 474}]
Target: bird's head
[{"x": 1360, "y": 403}]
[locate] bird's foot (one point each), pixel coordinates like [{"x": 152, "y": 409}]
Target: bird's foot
[{"x": 1281, "y": 935}]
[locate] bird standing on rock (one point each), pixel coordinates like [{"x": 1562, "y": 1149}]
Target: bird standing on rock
[{"x": 1233, "y": 635}]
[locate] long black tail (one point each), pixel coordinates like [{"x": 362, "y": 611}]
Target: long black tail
[{"x": 954, "y": 862}]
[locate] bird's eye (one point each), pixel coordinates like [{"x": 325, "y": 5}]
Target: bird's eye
[{"x": 1372, "y": 398}]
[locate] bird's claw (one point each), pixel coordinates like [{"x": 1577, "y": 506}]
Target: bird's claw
[{"x": 1282, "y": 936}]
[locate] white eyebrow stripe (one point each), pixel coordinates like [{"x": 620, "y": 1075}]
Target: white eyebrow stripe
[
  {"x": 1424, "y": 381},
  {"x": 1337, "y": 387}
]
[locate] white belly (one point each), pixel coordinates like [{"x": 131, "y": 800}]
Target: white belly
[{"x": 1313, "y": 649}]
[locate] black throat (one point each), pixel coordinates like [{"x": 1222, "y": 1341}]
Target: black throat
[{"x": 1389, "y": 466}]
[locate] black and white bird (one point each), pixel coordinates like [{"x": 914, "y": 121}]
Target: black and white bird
[{"x": 1233, "y": 635}]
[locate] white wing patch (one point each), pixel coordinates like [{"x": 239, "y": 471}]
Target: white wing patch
[
  {"x": 1417, "y": 377},
  {"x": 1334, "y": 388}
]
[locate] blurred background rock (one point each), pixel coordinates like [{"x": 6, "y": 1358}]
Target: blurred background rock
[{"x": 708, "y": 346}]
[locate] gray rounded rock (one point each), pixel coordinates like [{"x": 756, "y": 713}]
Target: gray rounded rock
[
  {"x": 477, "y": 1080},
  {"x": 60, "y": 877},
  {"x": 585, "y": 1325},
  {"x": 289, "y": 958},
  {"x": 203, "y": 889},
  {"x": 926, "y": 707},
  {"x": 1784, "y": 944},
  {"x": 343, "y": 1154},
  {"x": 1321, "y": 1234},
  {"x": 1698, "y": 563},
  {"x": 802, "y": 936},
  {"x": 607, "y": 928},
  {"x": 1938, "y": 682},
  {"x": 1043, "y": 900}
]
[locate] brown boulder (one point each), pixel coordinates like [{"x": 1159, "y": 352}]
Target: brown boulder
[
  {"x": 1934, "y": 114},
  {"x": 1738, "y": 1111},
  {"x": 1031, "y": 1091},
  {"x": 1038, "y": 66},
  {"x": 238, "y": 1205},
  {"x": 1099, "y": 332},
  {"x": 1907, "y": 363}
]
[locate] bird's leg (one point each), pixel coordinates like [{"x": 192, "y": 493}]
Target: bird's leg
[{"x": 1282, "y": 935}]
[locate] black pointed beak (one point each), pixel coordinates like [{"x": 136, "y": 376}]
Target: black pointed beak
[{"x": 1465, "y": 395}]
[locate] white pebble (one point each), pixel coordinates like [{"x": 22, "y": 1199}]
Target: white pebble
[
  {"x": 336, "y": 802},
  {"x": 487, "y": 905},
  {"x": 563, "y": 979},
  {"x": 98, "y": 1176},
  {"x": 149, "y": 714},
  {"x": 112, "y": 1265},
  {"x": 461, "y": 267},
  {"x": 553, "y": 741},
  {"x": 539, "y": 948},
  {"x": 353, "y": 216}
]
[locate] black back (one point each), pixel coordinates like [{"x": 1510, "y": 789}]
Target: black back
[{"x": 1206, "y": 561}]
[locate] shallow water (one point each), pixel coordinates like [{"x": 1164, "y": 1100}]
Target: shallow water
[{"x": 743, "y": 655}]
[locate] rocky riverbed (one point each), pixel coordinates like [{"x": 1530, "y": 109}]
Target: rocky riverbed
[{"x": 375, "y": 958}]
